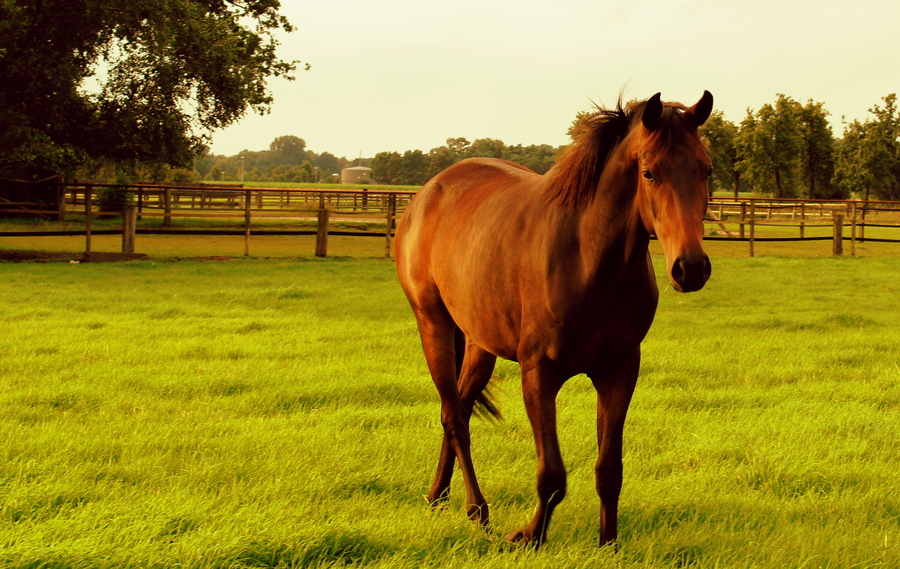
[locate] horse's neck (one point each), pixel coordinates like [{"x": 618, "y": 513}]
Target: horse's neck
[{"x": 611, "y": 230}]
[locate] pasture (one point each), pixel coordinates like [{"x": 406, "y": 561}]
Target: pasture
[{"x": 279, "y": 413}]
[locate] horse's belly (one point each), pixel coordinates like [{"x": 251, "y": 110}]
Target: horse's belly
[{"x": 487, "y": 313}]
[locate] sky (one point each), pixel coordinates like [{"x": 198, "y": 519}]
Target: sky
[{"x": 397, "y": 75}]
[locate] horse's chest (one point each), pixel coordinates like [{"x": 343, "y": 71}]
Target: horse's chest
[{"x": 594, "y": 332}]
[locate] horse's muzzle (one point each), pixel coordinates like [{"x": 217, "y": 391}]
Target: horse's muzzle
[{"x": 690, "y": 272}]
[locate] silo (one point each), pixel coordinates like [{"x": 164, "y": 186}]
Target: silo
[{"x": 356, "y": 175}]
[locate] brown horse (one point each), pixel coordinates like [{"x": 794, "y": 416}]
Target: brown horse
[{"x": 554, "y": 272}]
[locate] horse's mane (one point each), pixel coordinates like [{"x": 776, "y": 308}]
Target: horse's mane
[{"x": 574, "y": 178}]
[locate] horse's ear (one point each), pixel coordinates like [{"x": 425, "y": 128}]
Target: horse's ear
[
  {"x": 701, "y": 111},
  {"x": 652, "y": 112}
]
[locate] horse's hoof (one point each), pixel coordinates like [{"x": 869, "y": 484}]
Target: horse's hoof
[
  {"x": 479, "y": 515},
  {"x": 436, "y": 504},
  {"x": 522, "y": 538}
]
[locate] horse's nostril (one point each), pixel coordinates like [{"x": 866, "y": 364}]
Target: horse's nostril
[
  {"x": 691, "y": 273},
  {"x": 678, "y": 271}
]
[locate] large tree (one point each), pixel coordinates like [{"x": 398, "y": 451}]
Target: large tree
[
  {"x": 868, "y": 157},
  {"x": 288, "y": 149},
  {"x": 769, "y": 146},
  {"x": 720, "y": 135},
  {"x": 387, "y": 168},
  {"x": 817, "y": 152},
  {"x": 131, "y": 81}
]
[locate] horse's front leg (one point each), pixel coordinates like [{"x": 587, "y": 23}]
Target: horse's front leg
[
  {"x": 614, "y": 391},
  {"x": 540, "y": 387}
]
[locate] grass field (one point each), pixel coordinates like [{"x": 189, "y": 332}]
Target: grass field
[{"x": 276, "y": 413}]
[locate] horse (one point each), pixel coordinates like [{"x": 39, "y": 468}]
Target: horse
[{"x": 553, "y": 271}]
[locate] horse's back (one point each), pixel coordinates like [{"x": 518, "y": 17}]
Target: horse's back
[
  {"x": 455, "y": 203},
  {"x": 469, "y": 181}
]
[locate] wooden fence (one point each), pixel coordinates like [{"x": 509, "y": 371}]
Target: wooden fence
[
  {"x": 741, "y": 219},
  {"x": 227, "y": 202},
  {"x": 751, "y": 220}
]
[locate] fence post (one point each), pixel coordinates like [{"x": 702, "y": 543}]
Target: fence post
[
  {"x": 129, "y": 218},
  {"x": 167, "y": 205},
  {"x": 853, "y": 229},
  {"x": 60, "y": 198},
  {"x": 802, "y": 217},
  {"x": 88, "y": 190},
  {"x": 247, "y": 223},
  {"x": 862, "y": 225},
  {"x": 391, "y": 212},
  {"x": 838, "y": 241},
  {"x": 322, "y": 232},
  {"x": 743, "y": 218},
  {"x": 752, "y": 230}
]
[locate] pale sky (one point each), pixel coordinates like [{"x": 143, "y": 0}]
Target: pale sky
[{"x": 397, "y": 75}]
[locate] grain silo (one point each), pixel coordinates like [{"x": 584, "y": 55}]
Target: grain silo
[{"x": 356, "y": 175}]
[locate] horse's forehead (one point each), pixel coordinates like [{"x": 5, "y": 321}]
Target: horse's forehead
[{"x": 687, "y": 147}]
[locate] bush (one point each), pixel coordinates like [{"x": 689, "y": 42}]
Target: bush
[{"x": 113, "y": 199}]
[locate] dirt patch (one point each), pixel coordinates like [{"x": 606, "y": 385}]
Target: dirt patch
[{"x": 39, "y": 256}]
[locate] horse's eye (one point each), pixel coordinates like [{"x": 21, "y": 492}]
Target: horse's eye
[
  {"x": 648, "y": 175},
  {"x": 709, "y": 172}
]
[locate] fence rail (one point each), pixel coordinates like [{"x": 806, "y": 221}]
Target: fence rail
[
  {"x": 749, "y": 214},
  {"x": 751, "y": 220},
  {"x": 247, "y": 204}
]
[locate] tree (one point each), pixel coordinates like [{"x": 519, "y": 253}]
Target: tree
[
  {"x": 817, "y": 153},
  {"x": 387, "y": 167},
  {"x": 439, "y": 159},
  {"x": 851, "y": 171},
  {"x": 327, "y": 163},
  {"x": 486, "y": 148},
  {"x": 539, "y": 158},
  {"x": 720, "y": 135},
  {"x": 288, "y": 150},
  {"x": 769, "y": 146},
  {"x": 884, "y": 133},
  {"x": 458, "y": 147},
  {"x": 129, "y": 80},
  {"x": 868, "y": 157},
  {"x": 579, "y": 125}
]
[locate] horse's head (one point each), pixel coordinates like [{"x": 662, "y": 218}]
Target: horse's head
[{"x": 673, "y": 172}]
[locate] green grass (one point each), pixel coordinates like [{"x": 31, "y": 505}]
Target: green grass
[{"x": 279, "y": 413}]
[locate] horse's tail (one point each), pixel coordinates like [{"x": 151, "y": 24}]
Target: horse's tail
[{"x": 485, "y": 406}]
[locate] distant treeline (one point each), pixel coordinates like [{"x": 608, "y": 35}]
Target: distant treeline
[
  {"x": 288, "y": 160},
  {"x": 415, "y": 167},
  {"x": 785, "y": 150}
]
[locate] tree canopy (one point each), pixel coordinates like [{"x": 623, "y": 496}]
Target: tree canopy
[
  {"x": 414, "y": 167},
  {"x": 868, "y": 157},
  {"x": 129, "y": 81},
  {"x": 720, "y": 134}
]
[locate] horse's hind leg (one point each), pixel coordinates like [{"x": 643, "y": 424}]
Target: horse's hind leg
[
  {"x": 437, "y": 330},
  {"x": 475, "y": 367}
]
